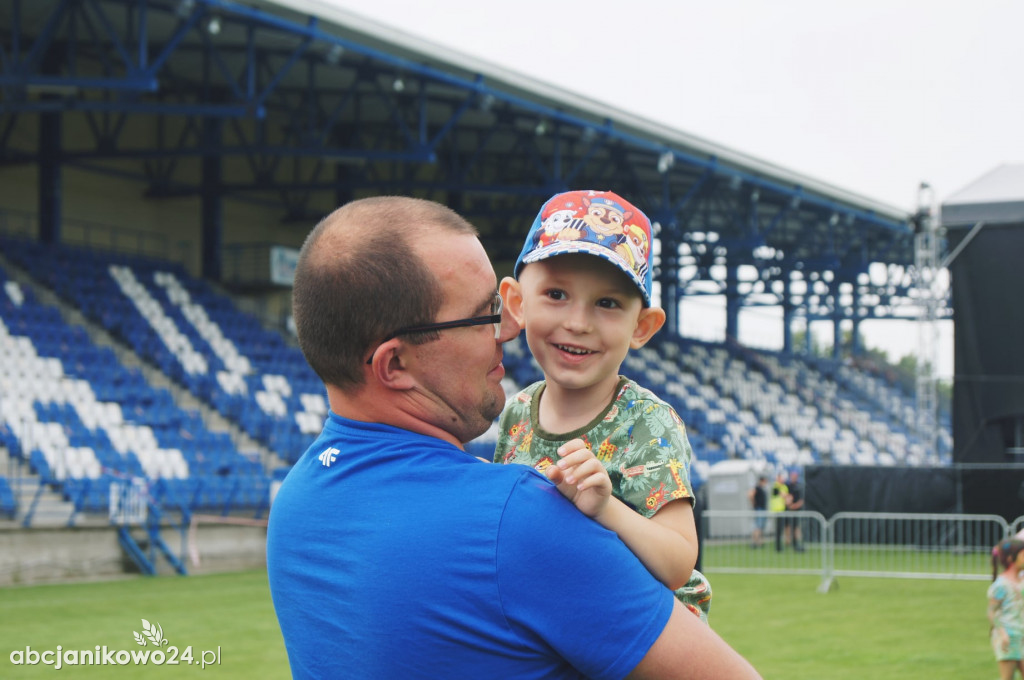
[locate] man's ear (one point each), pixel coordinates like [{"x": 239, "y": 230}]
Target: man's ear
[
  {"x": 390, "y": 366},
  {"x": 511, "y": 292},
  {"x": 650, "y": 322}
]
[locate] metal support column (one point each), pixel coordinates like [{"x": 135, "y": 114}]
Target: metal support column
[
  {"x": 787, "y": 313},
  {"x": 837, "y": 320},
  {"x": 50, "y": 177},
  {"x": 668, "y": 271},
  {"x": 926, "y": 258},
  {"x": 733, "y": 302},
  {"x": 211, "y": 200}
]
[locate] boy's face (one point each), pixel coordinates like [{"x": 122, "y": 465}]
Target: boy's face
[{"x": 581, "y": 315}]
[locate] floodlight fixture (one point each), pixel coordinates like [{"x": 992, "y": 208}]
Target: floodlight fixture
[
  {"x": 333, "y": 55},
  {"x": 665, "y": 162}
]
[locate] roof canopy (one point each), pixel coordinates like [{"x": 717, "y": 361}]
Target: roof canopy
[
  {"x": 299, "y": 106},
  {"x": 995, "y": 198}
]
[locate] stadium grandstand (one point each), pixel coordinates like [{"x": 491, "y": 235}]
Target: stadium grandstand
[{"x": 162, "y": 160}]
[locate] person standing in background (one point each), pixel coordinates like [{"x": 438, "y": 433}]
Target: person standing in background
[
  {"x": 777, "y": 505},
  {"x": 758, "y": 496},
  {"x": 794, "y": 503}
]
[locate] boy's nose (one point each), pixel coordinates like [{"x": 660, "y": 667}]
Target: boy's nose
[{"x": 577, "y": 319}]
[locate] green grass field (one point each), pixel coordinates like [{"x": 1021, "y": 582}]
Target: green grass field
[{"x": 866, "y": 629}]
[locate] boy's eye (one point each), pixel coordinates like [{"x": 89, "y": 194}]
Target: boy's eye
[
  {"x": 608, "y": 303},
  {"x": 555, "y": 294}
]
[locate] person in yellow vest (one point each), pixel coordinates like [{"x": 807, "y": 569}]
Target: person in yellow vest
[{"x": 777, "y": 502}]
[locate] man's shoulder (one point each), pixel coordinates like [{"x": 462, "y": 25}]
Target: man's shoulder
[{"x": 533, "y": 500}]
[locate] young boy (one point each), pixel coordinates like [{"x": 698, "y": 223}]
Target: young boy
[{"x": 582, "y": 292}]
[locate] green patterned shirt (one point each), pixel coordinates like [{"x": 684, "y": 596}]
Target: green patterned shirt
[{"x": 639, "y": 438}]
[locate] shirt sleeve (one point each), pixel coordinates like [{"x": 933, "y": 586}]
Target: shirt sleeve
[
  {"x": 655, "y": 466},
  {"x": 571, "y": 586}
]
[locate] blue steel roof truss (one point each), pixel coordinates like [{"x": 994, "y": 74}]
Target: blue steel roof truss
[{"x": 311, "y": 113}]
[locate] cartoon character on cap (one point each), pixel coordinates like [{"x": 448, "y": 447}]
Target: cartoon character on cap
[
  {"x": 627, "y": 244},
  {"x": 605, "y": 217},
  {"x": 561, "y": 225},
  {"x": 634, "y": 248}
]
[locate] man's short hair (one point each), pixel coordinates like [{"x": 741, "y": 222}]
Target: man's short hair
[{"x": 358, "y": 278}]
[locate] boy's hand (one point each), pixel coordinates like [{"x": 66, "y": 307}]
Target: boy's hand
[{"x": 581, "y": 478}]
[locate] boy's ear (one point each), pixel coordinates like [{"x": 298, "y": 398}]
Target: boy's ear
[
  {"x": 650, "y": 322},
  {"x": 512, "y": 297}
]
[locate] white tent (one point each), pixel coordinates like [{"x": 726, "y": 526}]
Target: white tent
[{"x": 994, "y": 198}]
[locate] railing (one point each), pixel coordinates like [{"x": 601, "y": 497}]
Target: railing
[
  {"x": 728, "y": 544},
  {"x": 914, "y": 546},
  {"x": 893, "y": 545}
]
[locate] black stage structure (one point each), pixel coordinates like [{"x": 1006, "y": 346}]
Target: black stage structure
[{"x": 985, "y": 223}]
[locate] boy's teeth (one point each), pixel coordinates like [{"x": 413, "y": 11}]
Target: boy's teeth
[{"x": 572, "y": 350}]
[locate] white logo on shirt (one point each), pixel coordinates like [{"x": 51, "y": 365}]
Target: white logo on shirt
[{"x": 328, "y": 456}]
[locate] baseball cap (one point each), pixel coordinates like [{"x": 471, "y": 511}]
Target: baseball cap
[{"x": 597, "y": 223}]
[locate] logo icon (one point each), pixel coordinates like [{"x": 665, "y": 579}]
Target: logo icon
[
  {"x": 328, "y": 456},
  {"x": 152, "y": 632}
]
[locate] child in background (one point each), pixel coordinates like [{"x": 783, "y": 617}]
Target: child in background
[
  {"x": 582, "y": 292},
  {"x": 1006, "y": 607}
]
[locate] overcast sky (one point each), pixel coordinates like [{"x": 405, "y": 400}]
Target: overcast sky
[{"x": 874, "y": 96}]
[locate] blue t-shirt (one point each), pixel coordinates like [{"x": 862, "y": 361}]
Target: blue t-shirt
[{"x": 392, "y": 554}]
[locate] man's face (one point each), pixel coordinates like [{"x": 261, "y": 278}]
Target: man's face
[{"x": 460, "y": 373}]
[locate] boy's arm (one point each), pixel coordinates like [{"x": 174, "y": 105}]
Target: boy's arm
[{"x": 665, "y": 543}]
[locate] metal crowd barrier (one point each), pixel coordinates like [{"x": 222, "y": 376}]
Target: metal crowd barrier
[{"x": 892, "y": 545}]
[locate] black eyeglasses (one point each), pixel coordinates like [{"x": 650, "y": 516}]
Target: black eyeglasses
[{"x": 493, "y": 318}]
